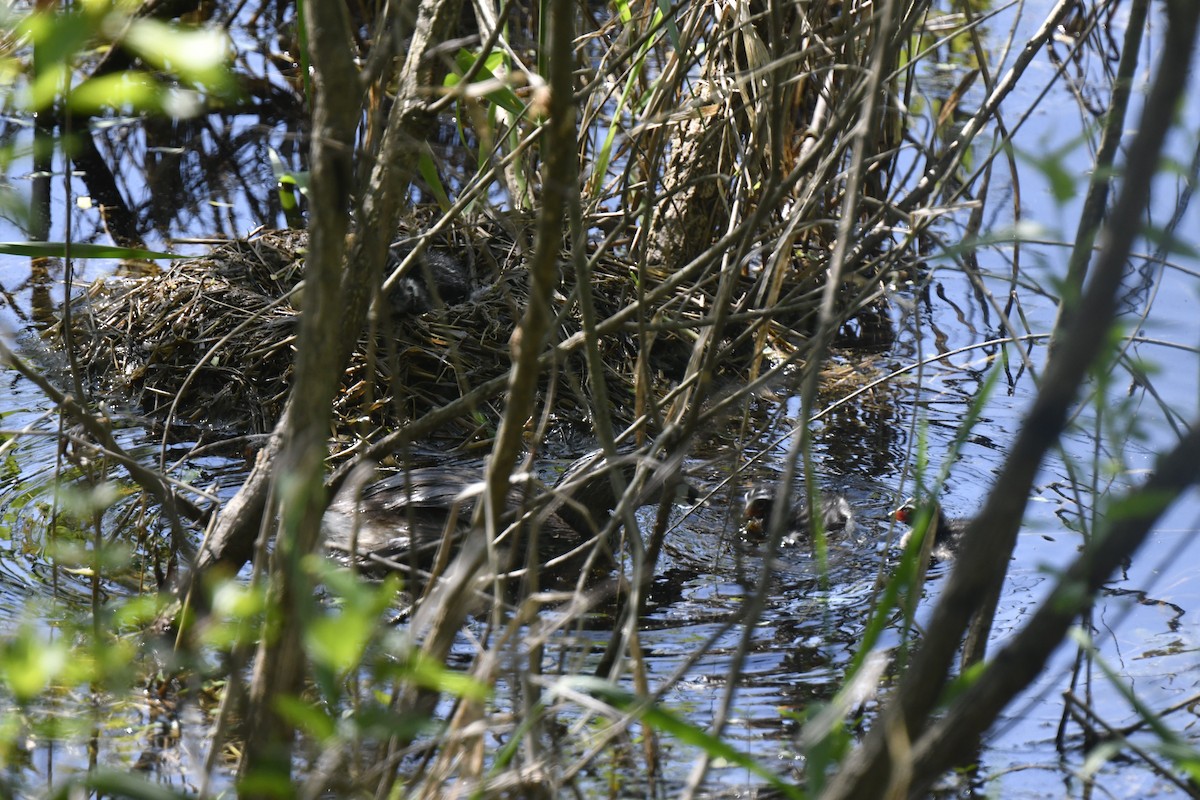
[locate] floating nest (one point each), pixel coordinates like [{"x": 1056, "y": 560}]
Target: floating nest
[{"x": 210, "y": 342}]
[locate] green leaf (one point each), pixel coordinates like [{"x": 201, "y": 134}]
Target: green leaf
[
  {"x": 47, "y": 86},
  {"x": 337, "y": 641},
  {"x": 1138, "y": 505},
  {"x": 121, "y": 91},
  {"x": 28, "y": 663},
  {"x": 288, "y": 185},
  {"x": 307, "y": 716},
  {"x": 433, "y": 675},
  {"x": 78, "y": 250},
  {"x": 1173, "y": 244},
  {"x": 1062, "y": 178},
  {"x": 198, "y": 55},
  {"x": 56, "y": 36},
  {"x": 502, "y": 95},
  {"x": 110, "y": 783},
  {"x": 430, "y": 175}
]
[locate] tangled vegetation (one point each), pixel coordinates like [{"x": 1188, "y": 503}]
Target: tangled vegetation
[{"x": 628, "y": 226}]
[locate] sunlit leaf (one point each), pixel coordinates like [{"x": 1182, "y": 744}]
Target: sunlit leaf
[
  {"x": 47, "y": 87},
  {"x": 235, "y": 617},
  {"x": 197, "y": 55},
  {"x": 119, "y": 91},
  {"x": 82, "y": 501},
  {"x": 429, "y": 674},
  {"x": 338, "y": 641},
  {"x": 298, "y": 178},
  {"x": 181, "y": 103},
  {"x": 29, "y": 663},
  {"x": 486, "y": 84},
  {"x": 136, "y": 612}
]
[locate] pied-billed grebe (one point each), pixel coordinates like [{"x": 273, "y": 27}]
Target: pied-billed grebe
[
  {"x": 437, "y": 278},
  {"x": 836, "y": 515},
  {"x": 947, "y": 532},
  {"x": 399, "y": 522}
]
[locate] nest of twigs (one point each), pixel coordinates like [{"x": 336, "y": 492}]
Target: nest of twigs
[{"x": 210, "y": 341}]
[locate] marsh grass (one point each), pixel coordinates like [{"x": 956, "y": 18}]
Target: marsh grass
[{"x": 747, "y": 188}]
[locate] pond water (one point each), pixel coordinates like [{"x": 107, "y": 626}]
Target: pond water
[{"x": 1145, "y": 621}]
